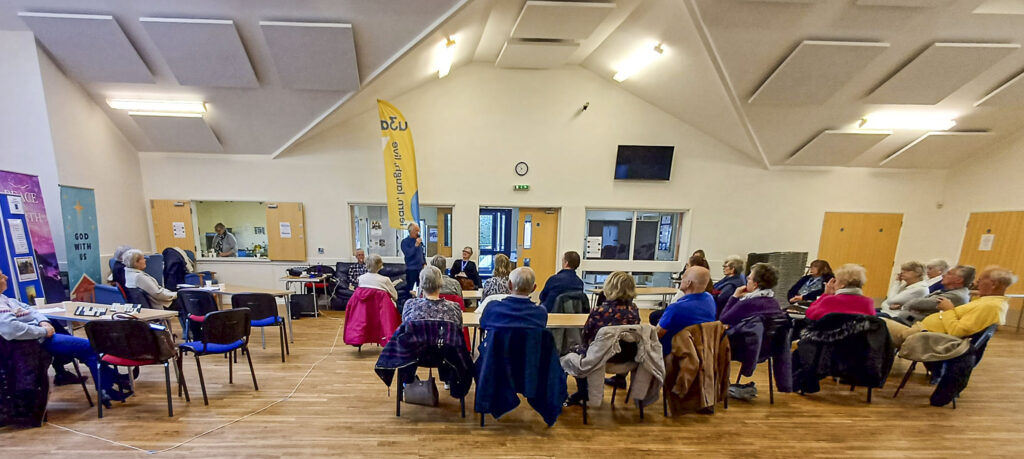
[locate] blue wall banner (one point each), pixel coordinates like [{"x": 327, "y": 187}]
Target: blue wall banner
[
  {"x": 81, "y": 237},
  {"x": 17, "y": 252}
]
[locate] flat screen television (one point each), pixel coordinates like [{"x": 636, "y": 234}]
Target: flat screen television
[{"x": 643, "y": 162}]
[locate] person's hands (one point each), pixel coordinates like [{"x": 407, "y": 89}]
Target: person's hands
[
  {"x": 895, "y": 306},
  {"x": 945, "y": 305},
  {"x": 796, "y": 299},
  {"x": 419, "y": 241},
  {"x": 49, "y": 329},
  {"x": 830, "y": 287},
  {"x": 740, "y": 291}
]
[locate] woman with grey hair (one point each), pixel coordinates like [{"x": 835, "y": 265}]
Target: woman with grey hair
[
  {"x": 430, "y": 305},
  {"x": 732, "y": 268},
  {"x": 910, "y": 284},
  {"x": 373, "y": 278},
  {"x": 450, "y": 285},
  {"x": 117, "y": 269},
  {"x": 934, "y": 271},
  {"x": 135, "y": 276}
]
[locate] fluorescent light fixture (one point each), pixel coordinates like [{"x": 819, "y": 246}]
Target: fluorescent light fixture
[
  {"x": 638, "y": 61},
  {"x": 164, "y": 107},
  {"x": 911, "y": 121},
  {"x": 445, "y": 57},
  {"x": 173, "y": 114}
]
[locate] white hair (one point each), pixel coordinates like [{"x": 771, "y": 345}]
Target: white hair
[
  {"x": 129, "y": 257},
  {"x": 374, "y": 263},
  {"x": 430, "y": 279},
  {"x": 522, "y": 280},
  {"x": 939, "y": 264},
  {"x": 119, "y": 252}
]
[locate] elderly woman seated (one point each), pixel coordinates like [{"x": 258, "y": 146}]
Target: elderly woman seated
[
  {"x": 843, "y": 294},
  {"x": 910, "y": 284},
  {"x": 430, "y": 306},
  {"x": 732, "y": 268},
  {"x": 135, "y": 276},
  {"x": 373, "y": 278},
  {"x": 756, "y": 298},
  {"x": 451, "y": 286},
  {"x": 811, "y": 286},
  {"x": 498, "y": 283}
]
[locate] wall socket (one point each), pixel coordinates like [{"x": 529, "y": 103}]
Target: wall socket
[{"x": 320, "y": 250}]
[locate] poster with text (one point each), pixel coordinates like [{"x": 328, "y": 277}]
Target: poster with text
[
  {"x": 81, "y": 237},
  {"x": 27, "y": 188}
]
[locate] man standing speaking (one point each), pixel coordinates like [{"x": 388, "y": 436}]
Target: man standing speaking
[{"x": 415, "y": 256}]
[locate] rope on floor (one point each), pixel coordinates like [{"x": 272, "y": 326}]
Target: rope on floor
[{"x": 178, "y": 445}]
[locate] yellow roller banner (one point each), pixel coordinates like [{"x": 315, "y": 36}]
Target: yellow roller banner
[{"x": 399, "y": 166}]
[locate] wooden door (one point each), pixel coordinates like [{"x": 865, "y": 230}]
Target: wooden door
[
  {"x": 866, "y": 239},
  {"x": 286, "y": 231},
  {"x": 538, "y": 242},
  {"x": 1003, "y": 242},
  {"x": 172, "y": 224},
  {"x": 444, "y": 247}
]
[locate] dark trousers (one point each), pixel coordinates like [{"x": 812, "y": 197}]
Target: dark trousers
[{"x": 412, "y": 276}]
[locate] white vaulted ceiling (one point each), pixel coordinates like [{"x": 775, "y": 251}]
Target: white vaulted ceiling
[{"x": 264, "y": 84}]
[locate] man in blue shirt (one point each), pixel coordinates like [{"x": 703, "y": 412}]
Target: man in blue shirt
[
  {"x": 415, "y": 257},
  {"x": 695, "y": 307},
  {"x": 516, "y": 310},
  {"x": 564, "y": 281}
]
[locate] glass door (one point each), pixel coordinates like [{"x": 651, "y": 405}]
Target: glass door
[{"x": 495, "y": 237}]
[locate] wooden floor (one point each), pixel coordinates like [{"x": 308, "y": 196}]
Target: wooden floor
[{"x": 342, "y": 409}]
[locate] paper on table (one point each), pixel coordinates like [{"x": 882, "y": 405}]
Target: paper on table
[{"x": 51, "y": 310}]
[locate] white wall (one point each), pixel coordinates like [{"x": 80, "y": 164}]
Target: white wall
[
  {"x": 90, "y": 152},
  {"x": 25, "y": 144},
  {"x": 472, "y": 127}
]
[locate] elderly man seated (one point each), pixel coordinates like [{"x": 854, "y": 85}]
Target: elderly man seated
[
  {"x": 954, "y": 283},
  {"x": 963, "y": 321},
  {"x": 357, "y": 269},
  {"x": 696, "y": 307},
  {"x": 516, "y": 310},
  {"x": 19, "y": 321}
]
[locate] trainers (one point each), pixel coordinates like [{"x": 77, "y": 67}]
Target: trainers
[
  {"x": 66, "y": 378},
  {"x": 616, "y": 381}
]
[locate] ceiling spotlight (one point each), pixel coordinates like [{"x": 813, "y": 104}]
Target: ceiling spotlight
[
  {"x": 445, "y": 58},
  {"x": 638, "y": 61},
  {"x": 911, "y": 121}
]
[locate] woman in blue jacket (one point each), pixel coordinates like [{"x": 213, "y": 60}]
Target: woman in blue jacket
[{"x": 811, "y": 286}]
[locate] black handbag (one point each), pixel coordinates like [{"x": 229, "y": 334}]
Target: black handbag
[{"x": 421, "y": 392}]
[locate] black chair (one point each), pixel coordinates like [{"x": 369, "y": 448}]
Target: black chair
[
  {"x": 777, "y": 332},
  {"x": 621, "y": 364},
  {"x": 138, "y": 296},
  {"x": 132, "y": 343},
  {"x": 24, "y": 382},
  {"x": 979, "y": 341},
  {"x": 195, "y": 305},
  {"x": 263, "y": 313},
  {"x": 224, "y": 332}
]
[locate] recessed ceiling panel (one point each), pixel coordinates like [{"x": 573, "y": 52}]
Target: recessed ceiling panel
[
  {"x": 1010, "y": 94},
  {"x": 937, "y": 150},
  {"x": 202, "y": 52},
  {"x": 1000, "y": 7},
  {"x": 836, "y": 148},
  {"x": 939, "y": 71},
  {"x": 88, "y": 47},
  {"x": 905, "y": 3},
  {"x": 311, "y": 55},
  {"x": 560, "y": 20},
  {"x": 815, "y": 71},
  {"x": 535, "y": 55},
  {"x": 178, "y": 134}
]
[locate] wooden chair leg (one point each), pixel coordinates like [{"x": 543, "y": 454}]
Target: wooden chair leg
[
  {"x": 78, "y": 372},
  {"x": 248, "y": 356},
  {"x": 167, "y": 379},
  {"x": 202, "y": 382},
  {"x": 906, "y": 377}
]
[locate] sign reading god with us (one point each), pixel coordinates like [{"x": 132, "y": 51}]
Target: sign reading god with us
[
  {"x": 399, "y": 166},
  {"x": 81, "y": 237}
]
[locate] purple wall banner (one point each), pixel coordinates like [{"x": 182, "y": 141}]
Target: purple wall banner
[{"x": 27, "y": 186}]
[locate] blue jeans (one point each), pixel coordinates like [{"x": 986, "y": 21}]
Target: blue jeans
[{"x": 79, "y": 348}]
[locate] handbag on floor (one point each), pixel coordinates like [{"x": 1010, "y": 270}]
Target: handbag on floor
[{"x": 421, "y": 392}]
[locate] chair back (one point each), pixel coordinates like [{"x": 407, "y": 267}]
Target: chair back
[
  {"x": 138, "y": 296},
  {"x": 260, "y": 305},
  {"x": 226, "y": 327},
  {"x": 979, "y": 341},
  {"x": 127, "y": 339},
  {"x": 627, "y": 354},
  {"x": 455, "y": 299},
  {"x": 155, "y": 267},
  {"x": 197, "y": 302},
  {"x": 778, "y": 330},
  {"x": 574, "y": 302},
  {"x": 108, "y": 294}
]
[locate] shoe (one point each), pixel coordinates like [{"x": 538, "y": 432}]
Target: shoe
[
  {"x": 67, "y": 378},
  {"x": 616, "y": 381},
  {"x": 575, "y": 399}
]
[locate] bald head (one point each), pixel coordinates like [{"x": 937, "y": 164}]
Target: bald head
[{"x": 694, "y": 280}]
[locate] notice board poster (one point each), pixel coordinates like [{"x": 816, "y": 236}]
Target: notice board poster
[
  {"x": 81, "y": 238},
  {"x": 31, "y": 203}
]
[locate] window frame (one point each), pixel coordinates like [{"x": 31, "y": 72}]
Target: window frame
[{"x": 681, "y": 226}]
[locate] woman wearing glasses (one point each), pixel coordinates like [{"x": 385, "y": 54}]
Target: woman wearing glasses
[{"x": 465, "y": 268}]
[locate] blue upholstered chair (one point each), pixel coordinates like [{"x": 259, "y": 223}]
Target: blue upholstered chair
[
  {"x": 108, "y": 294},
  {"x": 224, "y": 332},
  {"x": 263, "y": 313}
]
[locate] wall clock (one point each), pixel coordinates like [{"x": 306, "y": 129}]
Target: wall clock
[{"x": 522, "y": 168}]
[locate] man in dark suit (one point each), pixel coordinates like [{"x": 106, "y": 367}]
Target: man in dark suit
[{"x": 564, "y": 281}]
